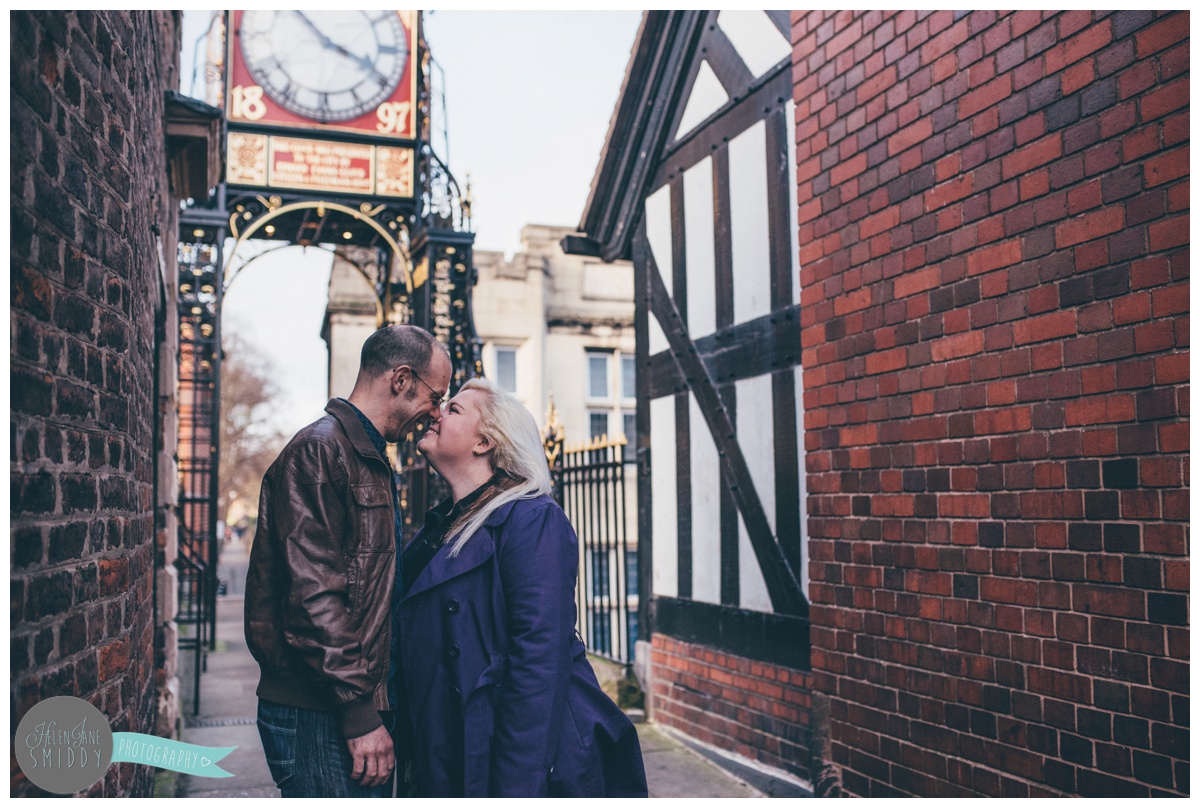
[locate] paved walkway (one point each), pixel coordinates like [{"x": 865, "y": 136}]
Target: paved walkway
[{"x": 228, "y": 706}]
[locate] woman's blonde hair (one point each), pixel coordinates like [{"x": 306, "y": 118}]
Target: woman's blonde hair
[{"x": 518, "y": 459}]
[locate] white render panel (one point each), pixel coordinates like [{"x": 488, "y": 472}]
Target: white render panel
[
  {"x": 658, "y": 233},
  {"x": 755, "y": 38},
  {"x": 756, "y": 437},
  {"x": 802, "y": 573},
  {"x": 706, "y": 508},
  {"x": 607, "y": 281},
  {"x": 706, "y": 98},
  {"x": 665, "y": 515},
  {"x": 794, "y": 227},
  {"x": 701, "y": 249},
  {"x": 750, "y": 224}
]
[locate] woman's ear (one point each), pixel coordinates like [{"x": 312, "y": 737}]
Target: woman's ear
[{"x": 483, "y": 446}]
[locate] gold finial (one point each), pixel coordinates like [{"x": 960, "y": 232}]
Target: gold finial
[{"x": 552, "y": 434}]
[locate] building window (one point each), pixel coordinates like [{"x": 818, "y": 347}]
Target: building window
[
  {"x": 506, "y": 369},
  {"x": 597, "y": 375},
  {"x": 631, "y": 573},
  {"x": 628, "y": 378},
  {"x": 599, "y": 573},
  {"x": 597, "y": 424}
]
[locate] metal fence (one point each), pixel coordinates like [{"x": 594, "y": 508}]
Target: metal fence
[
  {"x": 197, "y": 451},
  {"x": 594, "y": 483}
]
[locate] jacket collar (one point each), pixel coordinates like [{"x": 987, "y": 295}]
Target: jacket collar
[
  {"x": 442, "y": 567},
  {"x": 475, "y": 552},
  {"x": 500, "y": 514},
  {"x": 353, "y": 428}
]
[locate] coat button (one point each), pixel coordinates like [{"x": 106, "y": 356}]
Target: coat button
[
  {"x": 452, "y": 607},
  {"x": 452, "y": 652}
]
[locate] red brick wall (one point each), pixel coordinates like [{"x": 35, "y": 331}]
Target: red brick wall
[
  {"x": 88, "y": 196},
  {"x": 993, "y": 231},
  {"x": 757, "y": 710}
]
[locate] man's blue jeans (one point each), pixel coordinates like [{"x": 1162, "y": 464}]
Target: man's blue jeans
[{"x": 307, "y": 754}]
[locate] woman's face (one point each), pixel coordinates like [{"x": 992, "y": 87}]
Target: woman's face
[{"x": 454, "y": 436}]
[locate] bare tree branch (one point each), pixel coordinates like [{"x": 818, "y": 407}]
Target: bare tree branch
[{"x": 250, "y": 441}]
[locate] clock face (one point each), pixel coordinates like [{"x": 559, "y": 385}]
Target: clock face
[{"x": 325, "y": 65}]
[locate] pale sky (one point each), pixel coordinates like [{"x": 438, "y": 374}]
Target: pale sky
[{"x": 528, "y": 100}]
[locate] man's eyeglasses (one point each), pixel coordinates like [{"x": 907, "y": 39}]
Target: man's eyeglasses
[{"x": 438, "y": 399}]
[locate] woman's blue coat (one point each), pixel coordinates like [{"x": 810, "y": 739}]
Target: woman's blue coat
[{"x": 501, "y": 696}]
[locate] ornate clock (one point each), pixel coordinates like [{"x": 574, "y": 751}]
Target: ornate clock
[
  {"x": 347, "y": 71},
  {"x": 322, "y": 101},
  {"x": 327, "y": 66}
]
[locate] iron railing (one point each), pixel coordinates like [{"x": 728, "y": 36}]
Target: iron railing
[
  {"x": 199, "y": 262},
  {"x": 594, "y": 485}
]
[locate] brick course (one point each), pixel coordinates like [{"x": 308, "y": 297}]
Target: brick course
[
  {"x": 994, "y": 275},
  {"x": 758, "y": 710},
  {"x": 89, "y": 200}
]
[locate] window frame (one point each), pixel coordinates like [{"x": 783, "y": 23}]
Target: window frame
[
  {"x": 506, "y": 349},
  {"x": 607, "y": 358},
  {"x": 628, "y": 361}
]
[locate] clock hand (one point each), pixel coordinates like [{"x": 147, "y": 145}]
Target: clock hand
[
  {"x": 320, "y": 34},
  {"x": 369, "y": 65},
  {"x": 362, "y": 60}
]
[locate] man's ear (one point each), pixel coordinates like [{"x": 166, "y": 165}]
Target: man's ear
[{"x": 400, "y": 381}]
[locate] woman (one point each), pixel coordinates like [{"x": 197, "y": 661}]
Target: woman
[{"x": 500, "y": 696}]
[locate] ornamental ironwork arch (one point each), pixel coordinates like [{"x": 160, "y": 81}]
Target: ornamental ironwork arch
[{"x": 384, "y": 285}]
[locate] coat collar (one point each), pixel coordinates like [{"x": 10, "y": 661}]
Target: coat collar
[
  {"x": 475, "y": 552},
  {"x": 442, "y": 567},
  {"x": 480, "y": 548},
  {"x": 498, "y": 516},
  {"x": 353, "y": 428}
]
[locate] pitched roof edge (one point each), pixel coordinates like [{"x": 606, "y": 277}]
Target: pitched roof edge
[
  {"x": 637, "y": 130},
  {"x": 626, "y": 80}
]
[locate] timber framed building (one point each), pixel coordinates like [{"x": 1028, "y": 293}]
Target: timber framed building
[{"x": 912, "y": 318}]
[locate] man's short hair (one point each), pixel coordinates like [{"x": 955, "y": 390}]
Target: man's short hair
[{"x": 396, "y": 345}]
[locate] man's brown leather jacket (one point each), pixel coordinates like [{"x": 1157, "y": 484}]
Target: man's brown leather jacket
[{"x": 319, "y": 587}]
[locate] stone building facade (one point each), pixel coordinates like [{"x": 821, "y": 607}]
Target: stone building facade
[
  {"x": 991, "y": 218},
  {"x": 351, "y": 315},
  {"x": 94, "y": 220},
  {"x": 566, "y": 325}
]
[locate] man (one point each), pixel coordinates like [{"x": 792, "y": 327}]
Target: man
[{"x": 322, "y": 574}]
